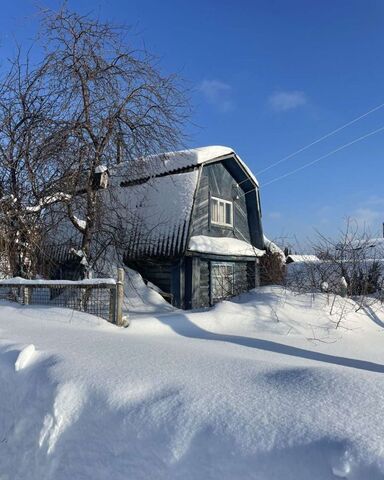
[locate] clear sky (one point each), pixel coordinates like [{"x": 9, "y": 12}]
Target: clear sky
[{"x": 269, "y": 77}]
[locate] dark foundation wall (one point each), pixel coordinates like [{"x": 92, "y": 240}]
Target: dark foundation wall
[
  {"x": 157, "y": 271},
  {"x": 186, "y": 282},
  {"x": 205, "y": 283},
  {"x": 216, "y": 181},
  {"x": 198, "y": 279}
]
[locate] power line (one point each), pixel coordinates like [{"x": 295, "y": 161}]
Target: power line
[
  {"x": 321, "y": 139},
  {"x": 306, "y": 165}
]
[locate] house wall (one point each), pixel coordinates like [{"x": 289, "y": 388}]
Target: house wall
[
  {"x": 158, "y": 271},
  {"x": 216, "y": 181},
  {"x": 205, "y": 282},
  {"x": 187, "y": 279},
  {"x": 198, "y": 289},
  {"x": 221, "y": 180}
]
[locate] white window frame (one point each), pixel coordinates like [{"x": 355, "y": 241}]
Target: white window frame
[{"x": 224, "y": 204}]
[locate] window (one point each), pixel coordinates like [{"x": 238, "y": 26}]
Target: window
[
  {"x": 222, "y": 276},
  {"x": 221, "y": 212}
]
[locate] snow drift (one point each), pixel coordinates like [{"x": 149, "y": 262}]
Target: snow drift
[{"x": 262, "y": 387}]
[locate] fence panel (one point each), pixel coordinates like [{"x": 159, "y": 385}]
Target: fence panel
[{"x": 97, "y": 297}]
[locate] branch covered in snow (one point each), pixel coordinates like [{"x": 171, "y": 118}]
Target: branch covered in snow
[{"x": 50, "y": 200}]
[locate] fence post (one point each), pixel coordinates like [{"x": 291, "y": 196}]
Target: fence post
[
  {"x": 112, "y": 304},
  {"x": 26, "y": 295},
  {"x": 119, "y": 297}
]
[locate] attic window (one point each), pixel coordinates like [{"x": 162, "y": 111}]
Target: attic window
[{"x": 221, "y": 212}]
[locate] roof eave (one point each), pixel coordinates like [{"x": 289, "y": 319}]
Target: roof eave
[{"x": 244, "y": 167}]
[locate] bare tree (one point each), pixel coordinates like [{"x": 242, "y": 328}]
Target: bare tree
[
  {"x": 351, "y": 266},
  {"x": 116, "y": 106},
  {"x": 31, "y": 140},
  {"x": 354, "y": 257}
]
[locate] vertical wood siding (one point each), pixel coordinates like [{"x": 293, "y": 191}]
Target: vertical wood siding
[
  {"x": 204, "y": 283},
  {"x": 218, "y": 182},
  {"x": 241, "y": 278},
  {"x": 157, "y": 272}
]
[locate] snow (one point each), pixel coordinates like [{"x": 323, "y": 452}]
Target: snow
[
  {"x": 24, "y": 357},
  {"x": 303, "y": 258},
  {"x": 342, "y": 470},
  {"x": 273, "y": 248},
  {"x": 173, "y": 161},
  {"x": 80, "y": 223},
  {"x": 26, "y": 282},
  {"x": 326, "y": 273},
  {"x": 263, "y": 387},
  {"x": 150, "y": 201},
  {"x": 101, "y": 169},
  {"x": 223, "y": 246},
  {"x": 46, "y": 201},
  {"x": 159, "y": 210},
  {"x": 141, "y": 298}
]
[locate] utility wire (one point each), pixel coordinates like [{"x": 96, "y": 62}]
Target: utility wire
[
  {"x": 306, "y": 165},
  {"x": 321, "y": 139}
]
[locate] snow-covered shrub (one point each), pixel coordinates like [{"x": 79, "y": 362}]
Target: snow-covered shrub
[{"x": 272, "y": 271}]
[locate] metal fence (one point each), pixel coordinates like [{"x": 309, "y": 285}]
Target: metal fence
[{"x": 101, "y": 298}]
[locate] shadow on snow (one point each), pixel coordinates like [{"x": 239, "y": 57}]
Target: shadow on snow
[{"x": 182, "y": 325}]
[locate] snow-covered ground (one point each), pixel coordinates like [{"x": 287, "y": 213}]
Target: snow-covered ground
[{"x": 262, "y": 387}]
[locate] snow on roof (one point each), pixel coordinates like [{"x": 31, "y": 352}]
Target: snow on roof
[
  {"x": 223, "y": 246},
  {"x": 159, "y": 211},
  {"x": 101, "y": 169},
  {"x": 272, "y": 247},
  {"x": 154, "y": 165},
  {"x": 302, "y": 258},
  {"x": 158, "y": 193}
]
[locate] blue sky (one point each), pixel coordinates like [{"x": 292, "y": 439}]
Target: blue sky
[{"x": 268, "y": 78}]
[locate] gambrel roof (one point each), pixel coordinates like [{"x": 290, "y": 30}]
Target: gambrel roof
[
  {"x": 159, "y": 211},
  {"x": 158, "y": 193},
  {"x": 173, "y": 162}
]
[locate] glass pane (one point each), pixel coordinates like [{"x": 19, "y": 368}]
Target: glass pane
[
  {"x": 222, "y": 281},
  {"x": 221, "y": 212},
  {"x": 214, "y": 212},
  {"x": 228, "y": 213}
]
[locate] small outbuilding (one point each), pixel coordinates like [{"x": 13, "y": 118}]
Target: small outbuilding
[{"x": 301, "y": 259}]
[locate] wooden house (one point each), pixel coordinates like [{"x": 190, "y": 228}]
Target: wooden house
[{"x": 196, "y": 232}]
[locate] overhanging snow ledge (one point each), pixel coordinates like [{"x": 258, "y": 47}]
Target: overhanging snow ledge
[{"x": 223, "y": 246}]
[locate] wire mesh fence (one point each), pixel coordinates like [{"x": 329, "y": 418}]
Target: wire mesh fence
[{"x": 96, "y": 298}]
